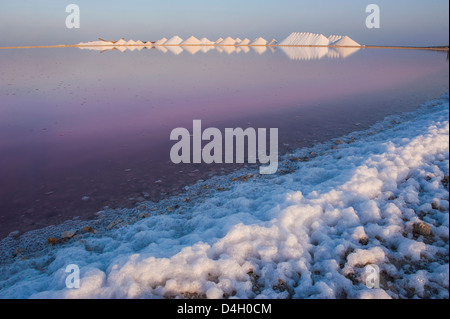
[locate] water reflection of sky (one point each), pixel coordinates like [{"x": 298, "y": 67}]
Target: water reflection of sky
[{"x": 71, "y": 121}]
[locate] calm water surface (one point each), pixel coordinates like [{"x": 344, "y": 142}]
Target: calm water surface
[{"x": 84, "y": 129}]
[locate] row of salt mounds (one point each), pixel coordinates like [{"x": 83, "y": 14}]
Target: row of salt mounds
[{"x": 313, "y": 39}]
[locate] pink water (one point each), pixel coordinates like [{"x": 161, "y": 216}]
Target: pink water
[{"x": 77, "y": 123}]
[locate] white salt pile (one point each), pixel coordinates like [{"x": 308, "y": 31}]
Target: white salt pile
[
  {"x": 259, "y": 41},
  {"x": 175, "y": 40},
  {"x": 346, "y": 42},
  {"x": 206, "y": 41},
  {"x": 334, "y": 38},
  {"x": 191, "y": 41},
  {"x": 121, "y": 42},
  {"x": 273, "y": 42},
  {"x": 305, "y": 38},
  {"x": 96, "y": 43},
  {"x": 219, "y": 40},
  {"x": 227, "y": 41},
  {"x": 245, "y": 42},
  {"x": 161, "y": 41}
]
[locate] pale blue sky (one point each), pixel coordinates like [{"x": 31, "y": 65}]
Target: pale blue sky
[{"x": 403, "y": 22}]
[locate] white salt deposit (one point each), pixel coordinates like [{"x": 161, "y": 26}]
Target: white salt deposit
[
  {"x": 334, "y": 38},
  {"x": 121, "y": 42},
  {"x": 305, "y": 38},
  {"x": 205, "y": 41},
  {"x": 295, "y": 39},
  {"x": 175, "y": 40},
  {"x": 191, "y": 41},
  {"x": 96, "y": 43},
  {"x": 347, "y": 42},
  {"x": 245, "y": 42},
  {"x": 227, "y": 41},
  {"x": 307, "y": 233},
  {"x": 161, "y": 41},
  {"x": 259, "y": 41}
]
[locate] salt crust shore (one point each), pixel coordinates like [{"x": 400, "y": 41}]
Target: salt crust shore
[{"x": 374, "y": 197}]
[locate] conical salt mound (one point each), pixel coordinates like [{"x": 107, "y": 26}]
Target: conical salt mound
[
  {"x": 121, "y": 42},
  {"x": 191, "y": 41},
  {"x": 259, "y": 41},
  {"x": 205, "y": 41},
  {"x": 347, "y": 42},
  {"x": 176, "y": 40},
  {"x": 334, "y": 38},
  {"x": 305, "y": 38},
  {"x": 162, "y": 41},
  {"x": 227, "y": 41},
  {"x": 245, "y": 42}
]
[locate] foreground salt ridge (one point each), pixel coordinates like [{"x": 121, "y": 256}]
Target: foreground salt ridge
[{"x": 307, "y": 233}]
